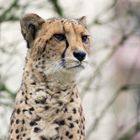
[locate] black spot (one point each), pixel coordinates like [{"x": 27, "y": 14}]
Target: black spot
[
  {"x": 72, "y": 100},
  {"x": 24, "y": 110},
  {"x": 36, "y": 66},
  {"x": 23, "y": 121},
  {"x": 37, "y": 129},
  {"x": 26, "y": 102},
  {"x": 74, "y": 111},
  {"x": 17, "y": 131},
  {"x": 83, "y": 127},
  {"x": 18, "y": 111},
  {"x": 46, "y": 107},
  {"x": 17, "y": 121},
  {"x": 60, "y": 103},
  {"x": 41, "y": 101},
  {"x": 77, "y": 121},
  {"x": 43, "y": 55},
  {"x": 39, "y": 89},
  {"x": 70, "y": 118},
  {"x": 84, "y": 118},
  {"x": 65, "y": 110},
  {"x": 43, "y": 61},
  {"x": 37, "y": 118},
  {"x": 60, "y": 122},
  {"x": 30, "y": 112},
  {"x": 31, "y": 109},
  {"x": 24, "y": 135},
  {"x": 17, "y": 136},
  {"x": 82, "y": 132},
  {"x": 57, "y": 110},
  {"x": 57, "y": 128},
  {"x": 67, "y": 133},
  {"x": 71, "y": 125},
  {"x": 71, "y": 136},
  {"x": 43, "y": 138},
  {"x": 39, "y": 58},
  {"x": 21, "y": 129},
  {"x": 28, "y": 139},
  {"x": 64, "y": 89},
  {"x": 73, "y": 93},
  {"x": 11, "y": 130},
  {"x": 12, "y": 121},
  {"x": 33, "y": 123},
  {"x": 33, "y": 83},
  {"x": 26, "y": 98},
  {"x": 21, "y": 101}
]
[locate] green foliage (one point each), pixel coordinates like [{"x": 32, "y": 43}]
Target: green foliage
[
  {"x": 125, "y": 137},
  {"x": 8, "y": 14},
  {"x": 4, "y": 88}
]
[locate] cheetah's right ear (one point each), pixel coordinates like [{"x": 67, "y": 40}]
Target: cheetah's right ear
[{"x": 30, "y": 24}]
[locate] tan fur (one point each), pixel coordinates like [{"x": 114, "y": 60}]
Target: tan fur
[{"x": 47, "y": 106}]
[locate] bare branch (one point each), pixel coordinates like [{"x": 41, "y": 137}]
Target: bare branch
[
  {"x": 108, "y": 105},
  {"x": 58, "y": 9},
  {"x": 97, "y": 18}
]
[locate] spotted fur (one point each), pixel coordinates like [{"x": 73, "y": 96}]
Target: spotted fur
[{"x": 47, "y": 106}]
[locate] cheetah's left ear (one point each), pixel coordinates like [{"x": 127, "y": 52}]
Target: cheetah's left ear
[{"x": 83, "y": 20}]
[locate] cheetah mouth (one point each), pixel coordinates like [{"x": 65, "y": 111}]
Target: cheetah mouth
[{"x": 76, "y": 66}]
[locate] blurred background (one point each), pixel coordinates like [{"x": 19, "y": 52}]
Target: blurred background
[{"x": 109, "y": 87}]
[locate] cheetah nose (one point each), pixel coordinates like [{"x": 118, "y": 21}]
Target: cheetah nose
[{"x": 80, "y": 55}]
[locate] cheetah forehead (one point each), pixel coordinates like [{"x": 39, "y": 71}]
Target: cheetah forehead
[
  {"x": 69, "y": 20},
  {"x": 56, "y": 25}
]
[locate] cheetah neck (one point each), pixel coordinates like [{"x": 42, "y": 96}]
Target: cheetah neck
[
  {"x": 52, "y": 91},
  {"x": 55, "y": 84}
]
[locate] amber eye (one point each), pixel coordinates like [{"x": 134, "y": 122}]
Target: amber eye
[
  {"x": 60, "y": 36},
  {"x": 84, "y": 38}
]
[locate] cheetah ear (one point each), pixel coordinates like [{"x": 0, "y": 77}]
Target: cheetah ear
[
  {"x": 30, "y": 24},
  {"x": 83, "y": 20}
]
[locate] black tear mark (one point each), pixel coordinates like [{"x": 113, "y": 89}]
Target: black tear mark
[{"x": 64, "y": 52}]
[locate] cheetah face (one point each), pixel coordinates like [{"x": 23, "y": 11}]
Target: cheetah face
[{"x": 56, "y": 45}]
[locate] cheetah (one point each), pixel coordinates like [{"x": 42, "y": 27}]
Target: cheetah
[{"x": 47, "y": 105}]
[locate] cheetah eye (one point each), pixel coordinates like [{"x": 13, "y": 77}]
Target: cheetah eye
[
  {"x": 84, "y": 38},
  {"x": 60, "y": 36}
]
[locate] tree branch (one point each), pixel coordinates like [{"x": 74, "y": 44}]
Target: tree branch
[
  {"x": 58, "y": 9},
  {"x": 103, "y": 112}
]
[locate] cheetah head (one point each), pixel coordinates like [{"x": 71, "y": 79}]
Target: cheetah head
[{"x": 57, "y": 44}]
